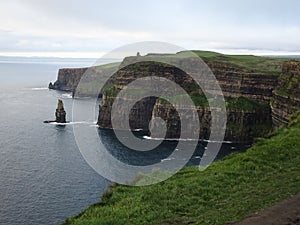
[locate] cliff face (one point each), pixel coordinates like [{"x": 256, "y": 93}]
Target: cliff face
[
  {"x": 286, "y": 97},
  {"x": 255, "y": 100},
  {"x": 68, "y": 79},
  {"x": 139, "y": 117},
  {"x": 243, "y": 123},
  {"x": 237, "y": 82}
]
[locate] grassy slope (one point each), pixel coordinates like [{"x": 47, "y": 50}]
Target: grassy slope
[
  {"x": 250, "y": 63},
  {"x": 229, "y": 190}
]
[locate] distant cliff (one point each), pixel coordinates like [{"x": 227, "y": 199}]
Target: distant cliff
[
  {"x": 247, "y": 97},
  {"x": 68, "y": 79},
  {"x": 259, "y": 93}
]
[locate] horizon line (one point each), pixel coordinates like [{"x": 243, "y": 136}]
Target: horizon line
[{"x": 95, "y": 55}]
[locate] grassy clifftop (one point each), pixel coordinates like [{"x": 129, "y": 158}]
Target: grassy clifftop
[
  {"x": 229, "y": 190},
  {"x": 250, "y": 63}
]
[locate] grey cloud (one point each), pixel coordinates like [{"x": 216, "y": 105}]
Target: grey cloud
[{"x": 102, "y": 25}]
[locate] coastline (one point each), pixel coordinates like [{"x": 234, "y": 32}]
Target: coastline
[
  {"x": 257, "y": 179},
  {"x": 243, "y": 87}
]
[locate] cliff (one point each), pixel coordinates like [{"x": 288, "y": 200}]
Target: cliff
[
  {"x": 262, "y": 176},
  {"x": 243, "y": 124},
  {"x": 286, "y": 96},
  {"x": 259, "y": 92},
  {"x": 247, "y": 97},
  {"x": 236, "y": 82},
  {"x": 68, "y": 79}
]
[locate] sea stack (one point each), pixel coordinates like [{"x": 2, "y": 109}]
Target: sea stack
[{"x": 60, "y": 113}]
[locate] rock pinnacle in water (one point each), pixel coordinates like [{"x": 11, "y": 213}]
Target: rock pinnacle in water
[{"x": 60, "y": 113}]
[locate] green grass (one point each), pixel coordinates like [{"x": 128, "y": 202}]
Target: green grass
[
  {"x": 250, "y": 63},
  {"x": 229, "y": 190},
  {"x": 110, "y": 90},
  {"x": 281, "y": 91},
  {"x": 242, "y": 103},
  {"x": 108, "y": 65}
]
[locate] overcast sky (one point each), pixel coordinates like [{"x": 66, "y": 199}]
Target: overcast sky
[{"x": 92, "y": 27}]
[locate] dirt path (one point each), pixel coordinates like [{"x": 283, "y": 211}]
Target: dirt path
[{"x": 286, "y": 212}]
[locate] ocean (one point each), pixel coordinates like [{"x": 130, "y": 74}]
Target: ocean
[{"x": 43, "y": 176}]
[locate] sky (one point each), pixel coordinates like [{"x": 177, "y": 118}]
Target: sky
[{"x": 73, "y": 28}]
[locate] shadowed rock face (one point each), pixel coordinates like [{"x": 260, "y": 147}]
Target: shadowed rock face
[
  {"x": 243, "y": 124},
  {"x": 286, "y": 96},
  {"x": 67, "y": 79},
  {"x": 282, "y": 97},
  {"x": 60, "y": 113}
]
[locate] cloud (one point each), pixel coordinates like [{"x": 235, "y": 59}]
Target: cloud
[{"x": 91, "y": 26}]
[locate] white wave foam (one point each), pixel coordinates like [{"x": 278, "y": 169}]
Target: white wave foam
[
  {"x": 39, "y": 88},
  {"x": 68, "y": 95},
  {"x": 165, "y": 139},
  {"x": 147, "y": 137},
  {"x": 209, "y": 141},
  {"x": 72, "y": 123},
  {"x": 167, "y": 159},
  {"x": 181, "y": 139},
  {"x": 62, "y": 124}
]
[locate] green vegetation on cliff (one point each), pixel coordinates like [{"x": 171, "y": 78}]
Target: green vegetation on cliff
[
  {"x": 250, "y": 63},
  {"x": 227, "y": 191},
  {"x": 242, "y": 103}
]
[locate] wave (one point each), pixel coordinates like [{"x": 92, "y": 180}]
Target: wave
[
  {"x": 39, "y": 88},
  {"x": 67, "y": 95},
  {"x": 210, "y": 141},
  {"x": 167, "y": 159},
  {"x": 168, "y": 139},
  {"x": 181, "y": 139},
  {"x": 138, "y": 130},
  {"x": 61, "y": 124},
  {"x": 72, "y": 123},
  {"x": 165, "y": 139}
]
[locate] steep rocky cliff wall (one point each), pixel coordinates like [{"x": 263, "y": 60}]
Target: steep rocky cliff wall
[
  {"x": 243, "y": 123},
  {"x": 68, "y": 79},
  {"x": 234, "y": 82},
  {"x": 237, "y": 82},
  {"x": 286, "y": 96}
]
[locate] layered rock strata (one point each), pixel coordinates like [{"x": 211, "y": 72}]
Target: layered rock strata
[{"x": 286, "y": 96}]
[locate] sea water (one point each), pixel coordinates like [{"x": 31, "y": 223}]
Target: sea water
[{"x": 43, "y": 176}]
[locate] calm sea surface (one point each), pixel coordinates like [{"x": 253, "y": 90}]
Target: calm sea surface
[{"x": 43, "y": 177}]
